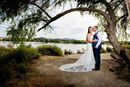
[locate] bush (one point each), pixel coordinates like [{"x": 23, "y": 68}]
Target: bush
[
  {"x": 103, "y": 50},
  {"x": 25, "y": 54},
  {"x": 79, "y": 52},
  {"x": 50, "y": 50},
  {"x": 108, "y": 49},
  {"x": 4, "y": 54},
  {"x": 14, "y": 62},
  {"x": 66, "y": 52},
  {"x": 5, "y": 72},
  {"x": 127, "y": 46}
]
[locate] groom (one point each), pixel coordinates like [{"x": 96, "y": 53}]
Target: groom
[{"x": 96, "y": 46}]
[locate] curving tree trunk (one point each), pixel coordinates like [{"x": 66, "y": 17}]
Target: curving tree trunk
[{"x": 128, "y": 7}]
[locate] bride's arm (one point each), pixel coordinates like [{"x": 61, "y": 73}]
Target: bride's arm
[{"x": 89, "y": 39}]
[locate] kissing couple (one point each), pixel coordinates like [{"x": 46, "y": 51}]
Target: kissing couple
[{"x": 90, "y": 60}]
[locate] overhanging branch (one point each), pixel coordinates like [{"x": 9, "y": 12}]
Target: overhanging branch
[
  {"x": 76, "y": 9},
  {"x": 121, "y": 17},
  {"x": 118, "y": 5},
  {"x": 42, "y": 10}
]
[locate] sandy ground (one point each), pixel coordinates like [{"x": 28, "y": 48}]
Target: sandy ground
[{"x": 44, "y": 72}]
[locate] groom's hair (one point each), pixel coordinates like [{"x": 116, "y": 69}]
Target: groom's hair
[{"x": 96, "y": 27}]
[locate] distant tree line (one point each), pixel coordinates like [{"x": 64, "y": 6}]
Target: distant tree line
[{"x": 49, "y": 40}]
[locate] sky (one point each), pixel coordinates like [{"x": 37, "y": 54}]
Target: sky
[{"x": 72, "y": 25}]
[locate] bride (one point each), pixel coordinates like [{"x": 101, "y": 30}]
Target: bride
[{"x": 87, "y": 61}]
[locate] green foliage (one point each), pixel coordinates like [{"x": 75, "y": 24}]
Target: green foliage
[
  {"x": 79, "y": 52},
  {"x": 108, "y": 49},
  {"x": 67, "y": 52},
  {"x": 25, "y": 54},
  {"x": 103, "y": 50},
  {"x": 16, "y": 35},
  {"x": 5, "y": 72},
  {"x": 46, "y": 40},
  {"x": 20, "y": 35},
  {"x": 4, "y": 54},
  {"x": 127, "y": 46},
  {"x": 50, "y": 50},
  {"x": 11, "y": 8},
  {"x": 22, "y": 54},
  {"x": 22, "y": 68},
  {"x": 14, "y": 62}
]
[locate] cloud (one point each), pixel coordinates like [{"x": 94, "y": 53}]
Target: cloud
[{"x": 72, "y": 25}]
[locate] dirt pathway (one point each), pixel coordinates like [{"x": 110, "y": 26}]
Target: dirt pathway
[{"x": 45, "y": 73}]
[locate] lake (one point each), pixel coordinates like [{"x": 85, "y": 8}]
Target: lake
[{"x": 69, "y": 46}]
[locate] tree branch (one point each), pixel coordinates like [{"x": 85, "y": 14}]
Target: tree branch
[
  {"x": 121, "y": 17},
  {"x": 76, "y": 9},
  {"x": 118, "y": 5},
  {"x": 42, "y": 10}
]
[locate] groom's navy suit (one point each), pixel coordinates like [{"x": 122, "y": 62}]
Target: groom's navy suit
[{"x": 96, "y": 51}]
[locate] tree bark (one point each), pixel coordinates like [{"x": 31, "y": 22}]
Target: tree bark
[{"x": 128, "y": 8}]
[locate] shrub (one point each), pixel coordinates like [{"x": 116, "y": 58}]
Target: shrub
[
  {"x": 66, "y": 52},
  {"x": 5, "y": 69},
  {"x": 25, "y": 54},
  {"x": 103, "y": 50},
  {"x": 4, "y": 54},
  {"x": 50, "y": 50},
  {"x": 14, "y": 62},
  {"x": 79, "y": 52},
  {"x": 108, "y": 49},
  {"x": 127, "y": 46},
  {"x": 22, "y": 68},
  {"x": 5, "y": 72}
]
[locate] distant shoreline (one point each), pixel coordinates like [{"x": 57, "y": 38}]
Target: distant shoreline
[{"x": 73, "y": 41}]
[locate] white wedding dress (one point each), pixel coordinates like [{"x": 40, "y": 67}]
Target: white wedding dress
[{"x": 84, "y": 64}]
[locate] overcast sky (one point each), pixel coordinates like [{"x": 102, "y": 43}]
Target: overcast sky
[{"x": 72, "y": 25}]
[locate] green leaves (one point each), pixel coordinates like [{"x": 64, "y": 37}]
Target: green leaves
[
  {"x": 13, "y": 7},
  {"x": 18, "y": 36}
]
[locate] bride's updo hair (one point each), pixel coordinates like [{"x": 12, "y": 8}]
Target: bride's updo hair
[{"x": 89, "y": 29}]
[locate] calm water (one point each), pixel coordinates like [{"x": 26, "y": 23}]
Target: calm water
[{"x": 73, "y": 47}]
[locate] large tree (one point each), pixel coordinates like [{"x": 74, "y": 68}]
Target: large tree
[
  {"x": 128, "y": 7},
  {"x": 33, "y": 12}
]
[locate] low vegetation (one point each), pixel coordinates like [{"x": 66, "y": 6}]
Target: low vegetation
[
  {"x": 67, "y": 52},
  {"x": 107, "y": 50},
  {"x": 14, "y": 62},
  {"x": 50, "y": 50}
]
